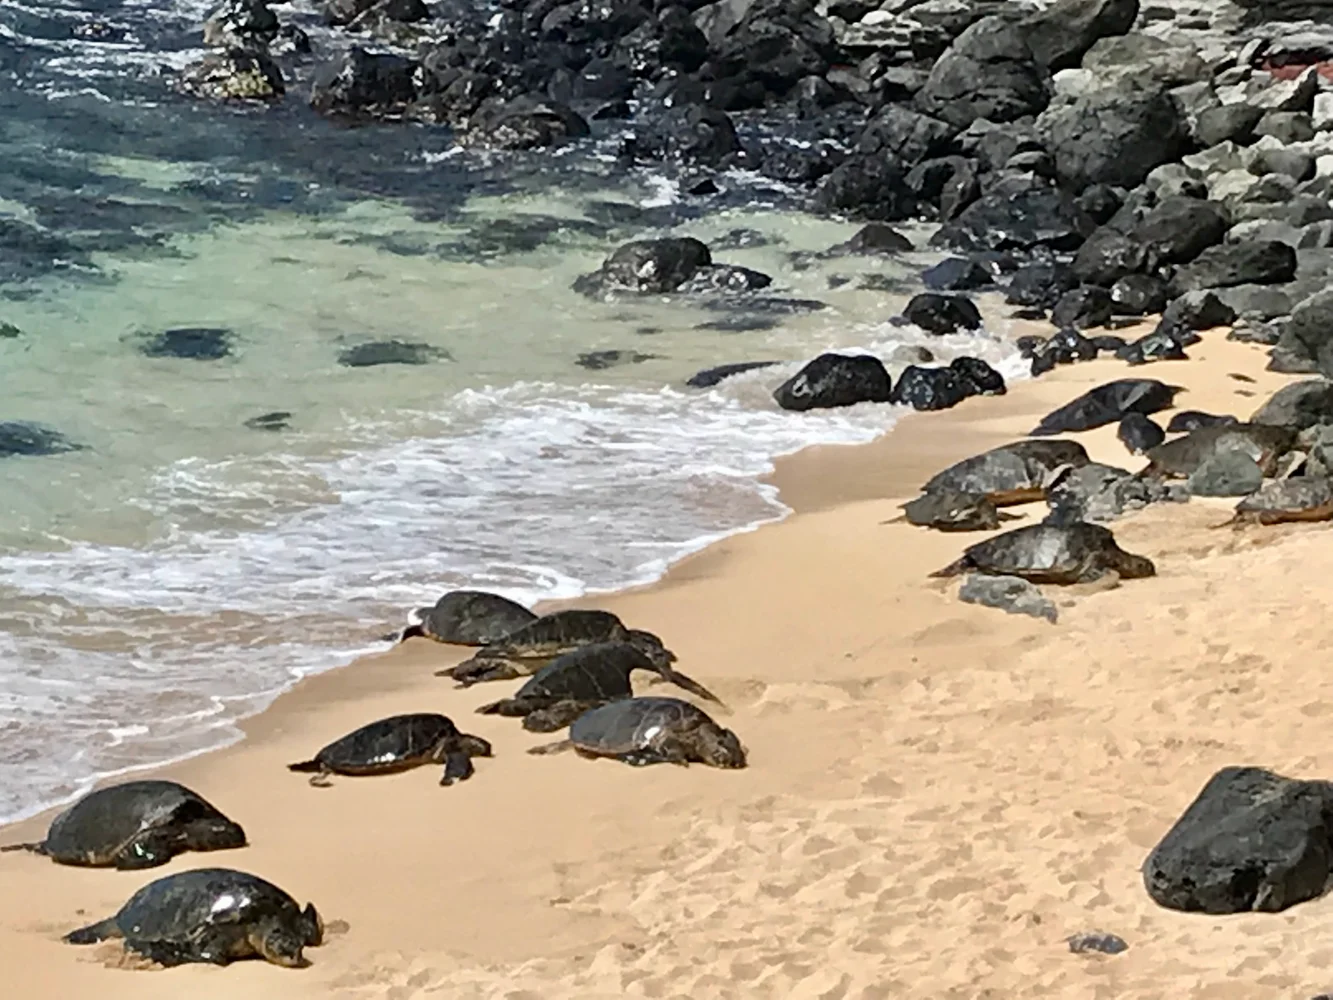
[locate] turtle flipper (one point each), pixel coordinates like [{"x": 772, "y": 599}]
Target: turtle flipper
[
  {"x": 148, "y": 850},
  {"x": 690, "y": 685},
  {"x": 645, "y": 757},
  {"x": 509, "y": 707},
  {"x": 457, "y": 767},
  {"x": 557, "y": 716},
  {"x": 560, "y": 746},
  {"x": 167, "y": 954},
  {"x": 103, "y": 930},
  {"x": 479, "y": 671},
  {"x": 319, "y": 774},
  {"x": 954, "y": 568},
  {"x": 37, "y": 848}
]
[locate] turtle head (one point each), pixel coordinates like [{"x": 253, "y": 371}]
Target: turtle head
[
  {"x": 473, "y": 746},
  {"x": 652, "y": 647},
  {"x": 215, "y": 834},
  {"x": 720, "y": 747},
  {"x": 281, "y": 940},
  {"x": 1132, "y": 567}
]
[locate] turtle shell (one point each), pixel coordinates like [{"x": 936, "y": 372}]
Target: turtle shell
[
  {"x": 94, "y": 829},
  {"x": 1301, "y": 498},
  {"x": 590, "y": 673},
  {"x": 558, "y": 632},
  {"x": 631, "y": 724},
  {"x": 1264, "y": 443},
  {"x": 949, "y": 510},
  {"x": 473, "y": 618},
  {"x": 1012, "y": 473},
  {"x": 1051, "y": 553},
  {"x": 390, "y": 744}
]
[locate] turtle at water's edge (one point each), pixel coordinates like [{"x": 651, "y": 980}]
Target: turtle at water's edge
[
  {"x": 468, "y": 618},
  {"x": 398, "y": 743},
  {"x": 213, "y": 915},
  {"x": 1078, "y": 552},
  {"x": 583, "y": 679},
  {"x": 136, "y": 824},
  {"x": 643, "y": 731}
]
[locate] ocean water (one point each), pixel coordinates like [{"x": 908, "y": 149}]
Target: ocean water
[{"x": 180, "y": 569}]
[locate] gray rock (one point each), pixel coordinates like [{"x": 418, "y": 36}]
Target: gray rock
[
  {"x": 1286, "y": 126},
  {"x": 1101, "y": 493},
  {"x": 1064, "y": 31},
  {"x": 1290, "y": 356},
  {"x": 1146, "y": 60},
  {"x": 1279, "y": 170},
  {"x": 1107, "y": 944},
  {"x": 1227, "y": 123},
  {"x": 1008, "y": 593},
  {"x": 988, "y": 72},
  {"x": 1226, "y": 474},
  {"x": 1290, "y": 95},
  {"x": 1237, "y": 264},
  {"x": 1261, "y": 302},
  {"x": 1312, "y": 326},
  {"x": 1301, "y": 405}
]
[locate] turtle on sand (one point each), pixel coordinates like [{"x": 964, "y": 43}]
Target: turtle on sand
[
  {"x": 526, "y": 650},
  {"x": 583, "y": 679},
  {"x": 950, "y": 510},
  {"x": 643, "y": 731},
  {"x": 1178, "y": 459},
  {"x": 1108, "y": 404},
  {"x": 398, "y": 743},
  {"x": 1300, "y": 498},
  {"x": 1076, "y": 552},
  {"x": 213, "y": 915},
  {"x": 1138, "y": 433},
  {"x": 1010, "y": 474},
  {"x": 468, "y": 618},
  {"x": 137, "y": 824},
  {"x": 1191, "y": 420}
]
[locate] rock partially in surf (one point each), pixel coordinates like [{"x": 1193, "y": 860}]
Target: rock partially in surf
[
  {"x": 278, "y": 420},
  {"x": 940, "y": 314},
  {"x": 1108, "y": 404},
  {"x": 391, "y": 352},
  {"x": 194, "y": 343},
  {"x": 600, "y": 360},
  {"x": 235, "y": 74},
  {"x": 833, "y": 380},
  {"x": 692, "y": 135},
  {"x": 19, "y": 437},
  {"x": 984, "y": 379},
  {"x": 8, "y": 331},
  {"x": 359, "y": 83},
  {"x": 956, "y": 274},
  {"x": 647, "y": 267},
  {"x": 247, "y": 24},
  {"x": 932, "y": 388},
  {"x": 871, "y": 239},
  {"x": 720, "y": 278},
  {"x": 710, "y": 377},
  {"x": 1008, "y": 593},
  {"x": 524, "y": 122}
]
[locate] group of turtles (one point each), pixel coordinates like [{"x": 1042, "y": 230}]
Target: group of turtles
[{"x": 578, "y": 665}]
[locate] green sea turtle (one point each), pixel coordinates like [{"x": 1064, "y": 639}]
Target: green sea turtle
[
  {"x": 398, "y": 743},
  {"x": 1051, "y": 553},
  {"x": 468, "y": 618},
  {"x": 527, "y": 649},
  {"x": 582, "y": 679},
  {"x": 1191, "y": 420},
  {"x": 651, "y": 731},
  {"x": 950, "y": 510},
  {"x": 137, "y": 824},
  {"x": 1300, "y": 498},
  {"x": 213, "y": 915},
  {"x": 1265, "y": 443},
  {"x": 1108, "y": 404},
  {"x": 1010, "y": 474}
]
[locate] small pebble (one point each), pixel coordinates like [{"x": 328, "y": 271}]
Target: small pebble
[{"x": 1107, "y": 944}]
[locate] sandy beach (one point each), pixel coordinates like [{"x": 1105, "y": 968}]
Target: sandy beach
[{"x": 938, "y": 794}]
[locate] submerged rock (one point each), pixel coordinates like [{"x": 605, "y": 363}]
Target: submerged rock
[
  {"x": 599, "y": 360},
  {"x": 710, "y": 377},
  {"x": 833, "y": 380},
  {"x": 20, "y": 437},
  {"x": 234, "y": 75},
  {"x": 278, "y": 420},
  {"x": 196, "y": 343},
  {"x": 391, "y": 352}
]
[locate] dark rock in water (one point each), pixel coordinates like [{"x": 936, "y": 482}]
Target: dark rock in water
[
  {"x": 1251, "y": 841},
  {"x": 984, "y": 379},
  {"x": 1108, "y": 404},
  {"x": 234, "y": 74},
  {"x": 1178, "y": 229},
  {"x": 1244, "y": 262},
  {"x": 1040, "y": 284},
  {"x": 524, "y": 122},
  {"x": 1226, "y": 474},
  {"x": 1115, "y": 135},
  {"x": 724, "y": 278},
  {"x": 988, "y": 72},
  {"x": 1109, "y": 255},
  {"x": 956, "y": 274},
  {"x": 1082, "y": 307},
  {"x": 738, "y": 323},
  {"x": 1101, "y": 493},
  {"x": 832, "y": 380},
  {"x": 1064, "y": 31},
  {"x": 278, "y": 420},
  {"x": 1138, "y": 295},
  {"x": 8, "y": 331},
  {"x": 390, "y": 352},
  {"x": 1138, "y": 433},
  {"x": 710, "y": 377},
  {"x": 647, "y": 266},
  {"x": 1300, "y": 405},
  {"x": 1008, "y": 593},
  {"x": 361, "y": 83},
  {"x": 1191, "y": 420},
  {"x": 873, "y": 238},
  {"x": 1163, "y": 344},
  {"x": 599, "y": 360},
  {"x": 196, "y": 343},
  {"x": 908, "y": 136},
  {"x": 1107, "y": 944},
  {"x": 932, "y": 388},
  {"x": 1068, "y": 346},
  {"x": 694, "y": 136},
  {"x": 864, "y": 187},
  {"x": 941, "y": 314},
  {"x": 247, "y": 24},
  {"x": 19, "y": 437},
  {"x": 1017, "y": 216}
]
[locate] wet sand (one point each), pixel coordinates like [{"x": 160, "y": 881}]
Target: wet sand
[{"x": 939, "y": 794}]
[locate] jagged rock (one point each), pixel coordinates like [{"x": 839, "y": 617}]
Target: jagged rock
[
  {"x": 1311, "y": 326},
  {"x": 1240, "y": 263},
  {"x": 931, "y": 388},
  {"x": 1007, "y": 593},
  {"x": 956, "y": 274},
  {"x": 1300, "y": 405},
  {"x": 234, "y": 75},
  {"x": 1017, "y": 216},
  {"x": 362, "y": 83},
  {"x": 1082, "y": 307},
  {"x": 1228, "y": 123},
  {"x": 833, "y": 380},
  {"x": 1064, "y": 31},
  {"x": 1178, "y": 229},
  {"x": 988, "y": 72}
]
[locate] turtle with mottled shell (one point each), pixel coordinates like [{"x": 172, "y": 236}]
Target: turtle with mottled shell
[
  {"x": 582, "y": 679},
  {"x": 1010, "y": 474},
  {"x": 469, "y": 618},
  {"x": 1300, "y": 498},
  {"x": 1178, "y": 459},
  {"x": 951, "y": 510},
  {"x": 526, "y": 650},
  {"x": 212, "y": 915},
  {"x": 136, "y": 824},
  {"x": 643, "y": 731},
  {"x": 398, "y": 743},
  {"x": 1078, "y": 552},
  {"x": 1108, "y": 404}
]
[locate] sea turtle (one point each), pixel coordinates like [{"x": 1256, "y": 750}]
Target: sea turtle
[
  {"x": 213, "y": 915},
  {"x": 469, "y": 618},
  {"x": 1107, "y": 404},
  {"x": 527, "y": 649},
  {"x": 398, "y": 743},
  {"x": 950, "y": 510},
  {"x": 1138, "y": 433},
  {"x": 138, "y": 824},
  {"x": 1078, "y": 552},
  {"x": 1191, "y": 420},
  {"x": 1265, "y": 443},
  {"x": 582, "y": 679},
  {"x": 1010, "y": 474},
  {"x": 1300, "y": 498},
  {"x": 651, "y": 731}
]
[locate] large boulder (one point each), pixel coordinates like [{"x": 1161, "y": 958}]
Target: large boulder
[
  {"x": 1060, "y": 34},
  {"x": 647, "y": 266},
  {"x": 832, "y": 380},
  {"x": 1241, "y": 263},
  {"x": 1114, "y": 136},
  {"x": 988, "y": 72},
  {"x": 1300, "y": 405},
  {"x": 1180, "y": 228},
  {"x": 524, "y": 122},
  {"x": 363, "y": 83},
  {"x": 933, "y": 388},
  {"x": 1017, "y": 214},
  {"x": 906, "y": 135},
  {"x": 1251, "y": 841},
  {"x": 941, "y": 314},
  {"x": 1311, "y": 327}
]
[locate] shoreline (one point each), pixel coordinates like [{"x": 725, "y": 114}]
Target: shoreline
[{"x": 811, "y": 662}]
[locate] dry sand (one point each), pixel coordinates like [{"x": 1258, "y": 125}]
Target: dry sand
[{"x": 939, "y": 794}]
